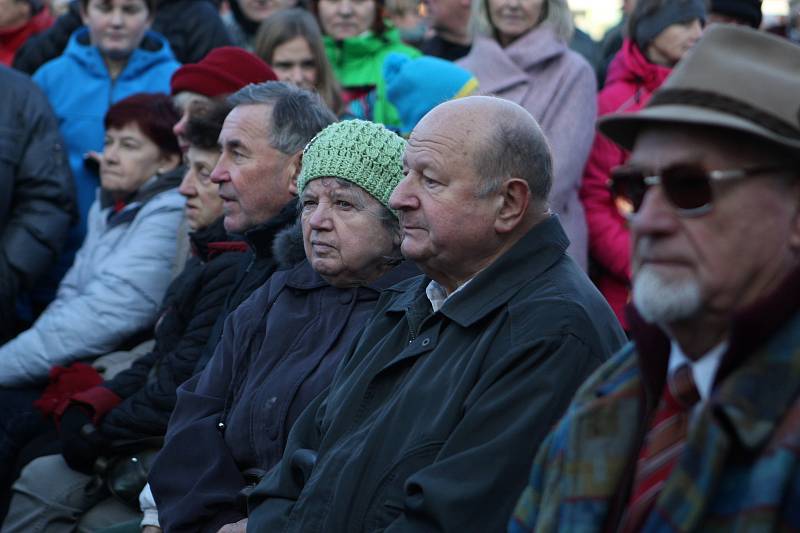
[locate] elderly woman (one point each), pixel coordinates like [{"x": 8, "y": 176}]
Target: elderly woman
[
  {"x": 120, "y": 275},
  {"x": 281, "y": 347},
  {"x": 523, "y": 56},
  {"x": 661, "y": 32}
]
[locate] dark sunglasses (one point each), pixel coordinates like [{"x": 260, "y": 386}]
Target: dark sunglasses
[{"x": 687, "y": 186}]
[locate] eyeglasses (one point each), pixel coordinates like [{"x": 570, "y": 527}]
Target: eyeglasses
[{"x": 687, "y": 186}]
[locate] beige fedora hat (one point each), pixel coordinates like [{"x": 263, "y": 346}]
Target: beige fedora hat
[{"x": 736, "y": 78}]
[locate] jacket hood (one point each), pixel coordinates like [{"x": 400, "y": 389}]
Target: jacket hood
[
  {"x": 287, "y": 248},
  {"x": 153, "y": 50},
  {"x": 631, "y": 66}
]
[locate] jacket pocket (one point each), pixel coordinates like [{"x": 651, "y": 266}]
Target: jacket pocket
[{"x": 387, "y": 502}]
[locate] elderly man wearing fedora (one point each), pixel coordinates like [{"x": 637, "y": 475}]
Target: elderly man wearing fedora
[{"x": 695, "y": 426}]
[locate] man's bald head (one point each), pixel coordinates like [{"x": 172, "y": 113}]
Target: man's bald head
[{"x": 502, "y": 140}]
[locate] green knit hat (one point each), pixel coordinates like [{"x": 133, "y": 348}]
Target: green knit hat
[{"x": 364, "y": 153}]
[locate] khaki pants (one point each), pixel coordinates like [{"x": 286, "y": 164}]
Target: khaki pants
[{"x": 50, "y": 497}]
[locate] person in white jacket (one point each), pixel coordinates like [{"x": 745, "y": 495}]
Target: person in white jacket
[{"x": 114, "y": 288}]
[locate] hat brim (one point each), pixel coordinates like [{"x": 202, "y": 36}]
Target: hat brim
[{"x": 624, "y": 128}]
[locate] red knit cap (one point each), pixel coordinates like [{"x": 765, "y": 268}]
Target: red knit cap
[{"x": 223, "y": 71}]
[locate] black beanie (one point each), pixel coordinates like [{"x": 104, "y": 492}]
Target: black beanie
[{"x": 748, "y": 11}]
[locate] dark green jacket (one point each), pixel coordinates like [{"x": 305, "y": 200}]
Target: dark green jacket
[{"x": 432, "y": 421}]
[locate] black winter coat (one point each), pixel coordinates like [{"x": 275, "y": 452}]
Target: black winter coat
[
  {"x": 192, "y": 27},
  {"x": 255, "y": 268},
  {"x": 279, "y": 351},
  {"x": 193, "y": 302},
  {"x": 37, "y": 194}
]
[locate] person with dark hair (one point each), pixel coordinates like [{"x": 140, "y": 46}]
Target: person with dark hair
[
  {"x": 738, "y": 12},
  {"x": 245, "y": 17},
  {"x": 135, "y": 405},
  {"x": 661, "y": 33},
  {"x": 282, "y": 346},
  {"x": 357, "y": 40},
  {"x": 192, "y": 27},
  {"x": 694, "y": 426},
  {"x": 19, "y": 20},
  {"x": 521, "y": 53},
  {"x": 111, "y": 293},
  {"x": 433, "y": 416},
  {"x": 291, "y": 41},
  {"x": 111, "y": 58}
]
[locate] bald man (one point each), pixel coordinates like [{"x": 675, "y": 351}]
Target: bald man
[{"x": 433, "y": 419}]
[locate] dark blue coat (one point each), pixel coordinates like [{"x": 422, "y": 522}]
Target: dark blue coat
[{"x": 279, "y": 350}]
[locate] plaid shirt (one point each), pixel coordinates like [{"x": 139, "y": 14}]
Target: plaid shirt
[{"x": 740, "y": 470}]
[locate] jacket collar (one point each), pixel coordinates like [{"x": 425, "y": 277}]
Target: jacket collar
[
  {"x": 154, "y": 186},
  {"x": 153, "y": 49},
  {"x": 630, "y": 65},
  {"x": 512, "y": 64},
  {"x": 303, "y": 277},
  {"x": 533, "y": 254},
  {"x": 261, "y": 236},
  {"x": 759, "y": 375},
  {"x": 204, "y": 239}
]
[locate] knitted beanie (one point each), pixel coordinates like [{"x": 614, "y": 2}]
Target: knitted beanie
[
  {"x": 415, "y": 86},
  {"x": 748, "y": 11},
  {"x": 361, "y": 152},
  {"x": 223, "y": 71},
  {"x": 651, "y": 25}
]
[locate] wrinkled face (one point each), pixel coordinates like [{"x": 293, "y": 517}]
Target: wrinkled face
[
  {"x": 445, "y": 224},
  {"x": 514, "y": 18},
  {"x": 341, "y": 19},
  {"x": 13, "y": 13},
  {"x": 129, "y": 159},
  {"x": 343, "y": 235},
  {"x": 293, "y": 62},
  {"x": 203, "y": 203},
  {"x": 259, "y": 10},
  {"x": 116, "y": 27},
  {"x": 671, "y": 45},
  {"x": 719, "y": 262},
  {"x": 255, "y": 180},
  {"x": 186, "y": 102}
]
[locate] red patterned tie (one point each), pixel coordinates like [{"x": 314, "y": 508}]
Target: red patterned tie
[{"x": 663, "y": 445}]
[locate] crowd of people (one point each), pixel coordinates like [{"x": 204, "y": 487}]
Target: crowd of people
[{"x": 347, "y": 265}]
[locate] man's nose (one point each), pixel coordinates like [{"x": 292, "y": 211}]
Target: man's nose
[
  {"x": 402, "y": 197},
  {"x": 656, "y": 215}
]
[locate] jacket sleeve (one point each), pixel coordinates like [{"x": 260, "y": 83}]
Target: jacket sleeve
[
  {"x": 121, "y": 299},
  {"x": 609, "y": 238},
  {"x": 481, "y": 469},
  {"x": 41, "y": 48},
  {"x": 195, "y": 479},
  {"x": 570, "y": 131},
  {"x": 147, "y": 408}
]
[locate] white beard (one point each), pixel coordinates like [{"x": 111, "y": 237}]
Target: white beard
[{"x": 660, "y": 301}]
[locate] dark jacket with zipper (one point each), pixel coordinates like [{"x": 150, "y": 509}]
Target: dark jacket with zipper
[
  {"x": 432, "y": 421},
  {"x": 138, "y": 402},
  {"x": 279, "y": 351},
  {"x": 37, "y": 195}
]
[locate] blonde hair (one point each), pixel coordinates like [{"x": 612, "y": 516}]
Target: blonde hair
[{"x": 555, "y": 13}]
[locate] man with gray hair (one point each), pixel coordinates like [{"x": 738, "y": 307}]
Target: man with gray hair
[
  {"x": 695, "y": 426},
  {"x": 432, "y": 418}
]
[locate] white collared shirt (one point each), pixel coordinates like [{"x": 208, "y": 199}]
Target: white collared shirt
[
  {"x": 438, "y": 296},
  {"x": 704, "y": 369}
]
